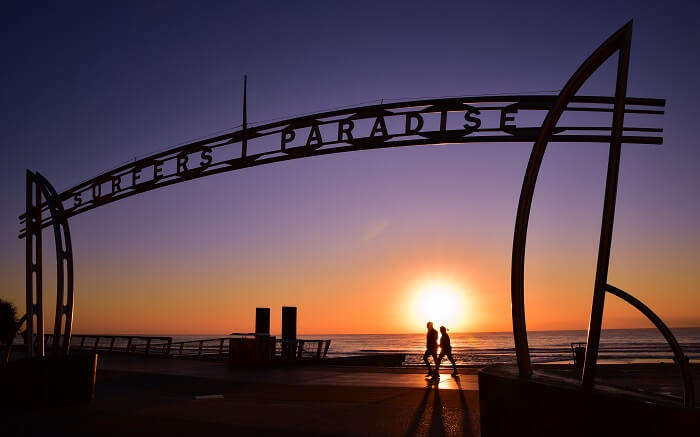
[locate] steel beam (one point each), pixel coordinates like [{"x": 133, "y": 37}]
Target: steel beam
[
  {"x": 613, "y": 44},
  {"x": 678, "y": 355},
  {"x": 608, "y": 220},
  {"x": 34, "y": 336}
]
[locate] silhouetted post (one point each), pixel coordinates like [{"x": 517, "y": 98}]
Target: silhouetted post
[
  {"x": 262, "y": 321},
  {"x": 289, "y": 332},
  {"x": 35, "y": 311},
  {"x": 244, "y": 139},
  {"x": 601, "y": 274}
]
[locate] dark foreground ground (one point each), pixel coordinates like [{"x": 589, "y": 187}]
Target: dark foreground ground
[
  {"x": 301, "y": 401},
  {"x": 139, "y": 396},
  {"x": 166, "y": 405}
]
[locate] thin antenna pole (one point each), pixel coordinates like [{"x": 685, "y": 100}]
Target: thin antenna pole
[{"x": 244, "y": 142}]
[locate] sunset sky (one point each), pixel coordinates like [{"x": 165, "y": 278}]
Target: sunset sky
[{"x": 353, "y": 240}]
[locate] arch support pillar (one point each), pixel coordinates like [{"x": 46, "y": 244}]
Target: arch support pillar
[
  {"x": 35, "y": 311},
  {"x": 41, "y": 196},
  {"x": 618, "y": 42}
]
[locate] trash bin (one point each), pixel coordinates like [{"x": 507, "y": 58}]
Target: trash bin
[
  {"x": 251, "y": 351},
  {"x": 579, "y": 352}
]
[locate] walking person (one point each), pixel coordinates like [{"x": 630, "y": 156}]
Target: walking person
[
  {"x": 445, "y": 350},
  {"x": 431, "y": 345}
]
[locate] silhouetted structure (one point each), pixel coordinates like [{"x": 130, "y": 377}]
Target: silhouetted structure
[
  {"x": 231, "y": 151},
  {"x": 619, "y": 42},
  {"x": 262, "y": 321},
  {"x": 289, "y": 332}
]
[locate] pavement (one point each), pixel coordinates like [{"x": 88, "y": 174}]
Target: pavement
[
  {"x": 157, "y": 396},
  {"x": 300, "y": 375}
]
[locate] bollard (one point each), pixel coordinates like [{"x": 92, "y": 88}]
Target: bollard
[
  {"x": 289, "y": 332},
  {"x": 262, "y": 321},
  {"x": 579, "y": 352}
]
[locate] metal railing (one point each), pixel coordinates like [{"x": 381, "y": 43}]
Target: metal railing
[
  {"x": 305, "y": 349},
  {"x": 212, "y": 348},
  {"x": 205, "y": 348},
  {"x": 135, "y": 344}
]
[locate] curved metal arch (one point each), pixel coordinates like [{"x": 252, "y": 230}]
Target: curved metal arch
[
  {"x": 64, "y": 265},
  {"x": 619, "y": 41},
  {"x": 419, "y": 118},
  {"x": 680, "y": 357}
]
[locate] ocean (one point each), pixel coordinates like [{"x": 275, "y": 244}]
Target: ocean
[{"x": 482, "y": 348}]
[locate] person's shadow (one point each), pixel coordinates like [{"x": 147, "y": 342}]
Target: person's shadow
[
  {"x": 436, "y": 426},
  {"x": 466, "y": 421},
  {"x": 436, "y": 423}
]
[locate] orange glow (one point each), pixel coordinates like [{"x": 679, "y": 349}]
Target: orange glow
[{"x": 441, "y": 302}]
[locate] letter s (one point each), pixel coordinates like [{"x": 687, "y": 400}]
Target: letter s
[
  {"x": 206, "y": 157},
  {"x": 469, "y": 117}
]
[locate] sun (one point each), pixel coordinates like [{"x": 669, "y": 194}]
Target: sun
[{"x": 441, "y": 302}]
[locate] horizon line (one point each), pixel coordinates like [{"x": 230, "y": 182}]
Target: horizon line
[{"x": 388, "y": 333}]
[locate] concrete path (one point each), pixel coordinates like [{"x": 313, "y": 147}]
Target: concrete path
[
  {"x": 146, "y": 397},
  {"x": 306, "y": 375}
]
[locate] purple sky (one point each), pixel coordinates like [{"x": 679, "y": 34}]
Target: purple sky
[{"x": 88, "y": 86}]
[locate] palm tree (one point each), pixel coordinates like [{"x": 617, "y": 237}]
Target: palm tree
[{"x": 8, "y": 327}]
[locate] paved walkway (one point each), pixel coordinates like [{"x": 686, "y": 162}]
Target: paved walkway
[
  {"x": 147, "y": 397},
  {"x": 305, "y": 375}
]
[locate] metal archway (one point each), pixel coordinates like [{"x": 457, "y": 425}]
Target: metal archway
[{"x": 426, "y": 122}]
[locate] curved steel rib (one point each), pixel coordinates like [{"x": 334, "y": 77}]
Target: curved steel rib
[
  {"x": 64, "y": 265},
  {"x": 618, "y": 41},
  {"x": 680, "y": 357}
]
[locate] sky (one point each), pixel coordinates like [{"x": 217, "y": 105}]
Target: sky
[{"x": 353, "y": 240}]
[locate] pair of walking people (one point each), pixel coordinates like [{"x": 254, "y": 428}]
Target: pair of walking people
[{"x": 431, "y": 350}]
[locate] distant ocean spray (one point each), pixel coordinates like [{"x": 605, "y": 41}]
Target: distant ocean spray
[{"x": 481, "y": 348}]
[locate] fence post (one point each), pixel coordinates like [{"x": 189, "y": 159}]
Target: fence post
[
  {"x": 289, "y": 332},
  {"x": 199, "y": 351},
  {"x": 128, "y": 345},
  {"x": 221, "y": 347},
  {"x": 301, "y": 349},
  {"x": 148, "y": 345},
  {"x": 169, "y": 345},
  {"x": 97, "y": 341},
  {"x": 318, "y": 350}
]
